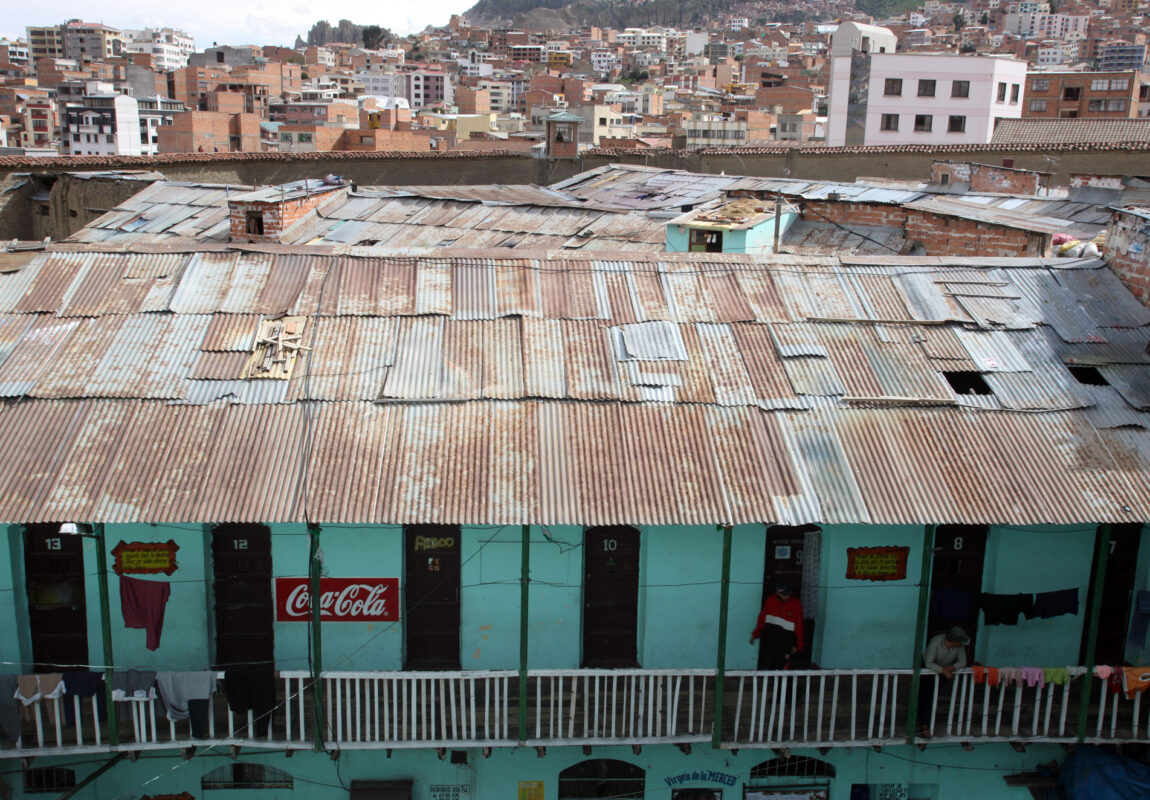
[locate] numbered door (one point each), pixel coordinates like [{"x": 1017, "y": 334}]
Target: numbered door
[
  {"x": 245, "y": 611},
  {"x": 956, "y": 579},
  {"x": 57, "y": 616},
  {"x": 432, "y": 596},
  {"x": 610, "y": 597},
  {"x": 784, "y": 562},
  {"x": 1117, "y": 593}
]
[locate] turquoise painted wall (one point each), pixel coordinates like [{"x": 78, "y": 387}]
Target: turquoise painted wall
[
  {"x": 757, "y": 240},
  {"x": 681, "y": 597},
  {"x": 939, "y": 773},
  {"x": 1036, "y": 559},
  {"x": 676, "y": 238},
  {"x": 489, "y": 623},
  {"x": 15, "y": 643},
  {"x": 748, "y": 543},
  {"x": 867, "y": 624},
  {"x": 556, "y": 597}
]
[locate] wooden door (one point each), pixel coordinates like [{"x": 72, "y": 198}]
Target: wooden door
[
  {"x": 610, "y": 597},
  {"x": 784, "y": 562},
  {"x": 432, "y": 596},
  {"x": 956, "y": 579},
  {"x": 245, "y": 610},
  {"x": 1117, "y": 595},
  {"x": 57, "y": 615}
]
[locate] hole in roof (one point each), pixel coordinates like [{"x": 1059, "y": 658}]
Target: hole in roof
[
  {"x": 966, "y": 382},
  {"x": 1089, "y": 376}
]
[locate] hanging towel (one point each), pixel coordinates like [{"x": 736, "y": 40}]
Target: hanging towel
[
  {"x": 1010, "y": 675},
  {"x": 1103, "y": 672},
  {"x": 27, "y": 689},
  {"x": 85, "y": 684},
  {"x": 1033, "y": 676},
  {"x": 988, "y": 675},
  {"x": 1056, "y": 675},
  {"x": 177, "y": 688},
  {"x": 9, "y": 708},
  {"x": 143, "y": 604},
  {"x": 52, "y": 685},
  {"x": 252, "y": 689},
  {"x": 133, "y": 686},
  {"x": 1135, "y": 680},
  {"x": 1003, "y": 609},
  {"x": 1055, "y": 604},
  {"x": 950, "y": 603},
  {"x": 1140, "y": 621}
]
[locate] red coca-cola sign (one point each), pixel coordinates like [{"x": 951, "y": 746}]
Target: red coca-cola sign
[{"x": 341, "y": 599}]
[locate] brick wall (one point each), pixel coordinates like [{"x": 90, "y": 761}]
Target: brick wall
[
  {"x": 276, "y": 216},
  {"x": 1127, "y": 251},
  {"x": 985, "y": 178},
  {"x": 940, "y": 235}
]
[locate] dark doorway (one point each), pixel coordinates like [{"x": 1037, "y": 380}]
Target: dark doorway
[
  {"x": 602, "y": 777},
  {"x": 245, "y": 612},
  {"x": 956, "y": 579},
  {"x": 784, "y": 562},
  {"x": 1117, "y": 591},
  {"x": 610, "y": 597},
  {"x": 432, "y": 596},
  {"x": 57, "y": 617}
]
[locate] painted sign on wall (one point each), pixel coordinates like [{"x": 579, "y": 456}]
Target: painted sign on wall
[
  {"x": 877, "y": 563},
  {"x": 145, "y": 558},
  {"x": 341, "y": 599}
]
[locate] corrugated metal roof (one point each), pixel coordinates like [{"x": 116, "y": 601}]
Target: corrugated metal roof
[
  {"x": 966, "y": 209},
  {"x": 669, "y": 389}
]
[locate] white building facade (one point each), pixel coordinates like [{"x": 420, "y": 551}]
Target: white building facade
[{"x": 925, "y": 98}]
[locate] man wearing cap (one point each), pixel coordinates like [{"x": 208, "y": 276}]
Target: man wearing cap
[
  {"x": 781, "y": 626},
  {"x": 944, "y": 654}
]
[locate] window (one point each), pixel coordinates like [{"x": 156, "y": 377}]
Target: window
[
  {"x": 956, "y": 125},
  {"x": 602, "y": 777},
  {"x": 702, "y": 241},
  {"x": 889, "y": 122},
  {"x": 602, "y": 120},
  {"x": 1037, "y": 106},
  {"x": 893, "y": 87},
  {"x": 960, "y": 89},
  {"x": 926, "y": 88},
  {"x": 305, "y": 138},
  {"x": 793, "y": 767},
  {"x": 1040, "y": 85},
  {"x": 923, "y": 122},
  {"x": 1072, "y": 93},
  {"x": 1014, "y": 87},
  {"x": 1099, "y": 85},
  {"x": 1001, "y": 92},
  {"x": 1120, "y": 85},
  {"x": 246, "y": 776},
  {"x": 1107, "y": 105},
  {"x": 75, "y": 137},
  {"x": 49, "y": 779}
]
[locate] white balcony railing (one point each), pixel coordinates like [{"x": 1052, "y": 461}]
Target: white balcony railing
[{"x": 801, "y": 708}]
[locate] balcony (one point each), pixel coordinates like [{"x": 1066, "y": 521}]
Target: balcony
[{"x": 777, "y": 710}]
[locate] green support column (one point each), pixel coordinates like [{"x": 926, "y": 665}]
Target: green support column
[
  {"x": 315, "y": 567},
  {"x": 106, "y": 630},
  {"x": 1097, "y": 583},
  {"x": 524, "y": 626},
  {"x": 920, "y": 630},
  {"x": 721, "y": 650}
]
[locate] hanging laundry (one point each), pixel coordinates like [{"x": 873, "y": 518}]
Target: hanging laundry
[
  {"x": 9, "y": 708},
  {"x": 252, "y": 689},
  {"x": 988, "y": 675},
  {"x": 133, "y": 686},
  {"x": 1103, "y": 672},
  {"x": 143, "y": 604},
  {"x": 1135, "y": 680},
  {"x": 950, "y": 603},
  {"x": 1140, "y": 621},
  {"x": 27, "y": 689},
  {"x": 180, "y": 690},
  {"x": 1033, "y": 676},
  {"x": 1010, "y": 676},
  {"x": 85, "y": 684},
  {"x": 52, "y": 685},
  {"x": 1055, "y": 604},
  {"x": 1056, "y": 675},
  {"x": 1003, "y": 609}
]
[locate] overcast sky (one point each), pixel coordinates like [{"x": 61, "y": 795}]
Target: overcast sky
[{"x": 232, "y": 21}]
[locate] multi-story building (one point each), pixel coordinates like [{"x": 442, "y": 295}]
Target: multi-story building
[
  {"x": 45, "y": 42},
  {"x": 39, "y": 122},
  {"x": 501, "y": 95},
  {"x": 168, "y": 47},
  {"x": 15, "y": 52},
  {"x": 87, "y": 41},
  {"x": 302, "y": 112},
  {"x": 383, "y": 83},
  {"x": 116, "y": 124},
  {"x": 427, "y": 87},
  {"x": 920, "y": 98},
  {"x": 1119, "y": 55},
  {"x": 1081, "y": 94}
]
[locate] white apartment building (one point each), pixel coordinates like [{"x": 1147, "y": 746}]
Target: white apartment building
[
  {"x": 922, "y": 98},
  {"x": 852, "y": 37},
  {"x": 638, "y": 37},
  {"x": 384, "y": 84},
  {"x": 105, "y": 125},
  {"x": 739, "y": 23},
  {"x": 502, "y": 95},
  {"x": 605, "y": 60},
  {"x": 168, "y": 47},
  {"x": 1053, "y": 52},
  {"x": 1043, "y": 24}
]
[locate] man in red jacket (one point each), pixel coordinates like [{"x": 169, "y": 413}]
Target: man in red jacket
[{"x": 781, "y": 626}]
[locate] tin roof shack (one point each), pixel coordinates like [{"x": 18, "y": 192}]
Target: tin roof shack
[
  {"x": 498, "y": 470},
  {"x": 265, "y": 215},
  {"x": 741, "y": 225}
]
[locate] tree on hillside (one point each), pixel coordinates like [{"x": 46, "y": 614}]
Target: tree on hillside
[
  {"x": 959, "y": 21},
  {"x": 371, "y": 37}
]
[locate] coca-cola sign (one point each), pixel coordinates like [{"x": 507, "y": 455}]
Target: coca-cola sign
[{"x": 341, "y": 599}]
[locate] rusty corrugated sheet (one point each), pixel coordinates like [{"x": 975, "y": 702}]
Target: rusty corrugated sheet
[
  {"x": 231, "y": 332},
  {"x": 30, "y": 359}
]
